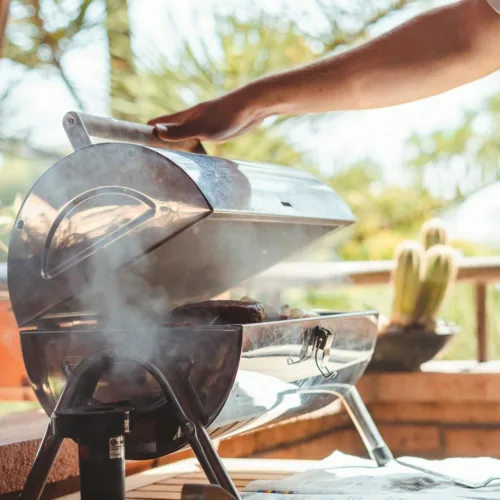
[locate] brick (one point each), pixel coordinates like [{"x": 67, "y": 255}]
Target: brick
[
  {"x": 347, "y": 441},
  {"x": 241, "y": 446},
  {"x": 459, "y": 413},
  {"x": 412, "y": 439},
  {"x": 434, "y": 387},
  {"x": 474, "y": 442},
  {"x": 281, "y": 435}
]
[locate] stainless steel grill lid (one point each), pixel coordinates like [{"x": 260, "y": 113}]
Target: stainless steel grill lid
[{"x": 159, "y": 227}]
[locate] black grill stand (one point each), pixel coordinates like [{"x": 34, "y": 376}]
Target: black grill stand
[
  {"x": 99, "y": 433},
  {"x": 72, "y": 419},
  {"x": 101, "y": 449}
]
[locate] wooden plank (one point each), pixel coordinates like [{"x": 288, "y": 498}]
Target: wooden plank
[
  {"x": 152, "y": 476},
  {"x": 165, "y": 486},
  {"x": 204, "y": 480},
  {"x": 165, "y": 483},
  {"x": 169, "y": 496},
  {"x": 184, "y": 480},
  {"x": 377, "y": 272},
  {"x": 276, "y": 465},
  {"x": 152, "y": 494},
  {"x": 165, "y": 496},
  {"x": 481, "y": 323},
  {"x": 235, "y": 475}
]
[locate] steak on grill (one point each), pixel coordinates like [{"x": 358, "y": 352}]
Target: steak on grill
[{"x": 219, "y": 312}]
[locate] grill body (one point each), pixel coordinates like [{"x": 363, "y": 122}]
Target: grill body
[
  {"x": 245, "y": 376},
  {"x": 115, "y": 235}
]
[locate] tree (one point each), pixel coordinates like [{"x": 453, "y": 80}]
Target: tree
[
  {"x": 39, "y": 33},
  {"x": 463, "y": 159},
  {"x": 121, "y": 56},
  {"x": 385, "y": 214},
  {"x": 42, "y": 32}
]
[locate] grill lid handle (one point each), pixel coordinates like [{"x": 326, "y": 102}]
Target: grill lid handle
[{"x": 80, "y": 127}]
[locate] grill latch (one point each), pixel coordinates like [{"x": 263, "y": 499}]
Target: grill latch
[{"x": 317, "y": 342}]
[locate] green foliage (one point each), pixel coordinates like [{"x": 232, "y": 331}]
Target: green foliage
[
  {"x": 465, "y": 158},
  {"x": 17, "y": 175},
  {"x": 40, "y": 32},
  {"x": 386, "y": 214}
]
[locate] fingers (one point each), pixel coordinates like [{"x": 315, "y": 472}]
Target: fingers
[
  {"x": 196, "y": 130},
  {"x": 175, "y": 132},
  {"x": 176, "y": 126},
  {"x": 173, "y": 118}
]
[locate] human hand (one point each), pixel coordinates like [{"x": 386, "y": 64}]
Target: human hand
[{"x": 217, "y": 120}]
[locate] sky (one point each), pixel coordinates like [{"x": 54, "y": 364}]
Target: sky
[{"x": 378, "y": 134}]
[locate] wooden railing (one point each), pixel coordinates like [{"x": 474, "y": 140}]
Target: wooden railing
[{"x": 479, "y": 271}]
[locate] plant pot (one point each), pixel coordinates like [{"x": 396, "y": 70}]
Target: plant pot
[
  {"x": 406, "y": 349},
  {"x": 12, "y": 371}
]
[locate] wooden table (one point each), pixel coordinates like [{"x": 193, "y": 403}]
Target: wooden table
[{"x": 165, "y": 483}]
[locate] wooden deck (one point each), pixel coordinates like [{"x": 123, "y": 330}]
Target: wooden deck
[{"x": 165, "y": 483}]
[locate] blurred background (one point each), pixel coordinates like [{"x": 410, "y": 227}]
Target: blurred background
[{"x": 137, "y": 59}]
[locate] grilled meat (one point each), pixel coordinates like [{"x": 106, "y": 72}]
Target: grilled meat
[
  {"x": 296, "y": 313},
  {"x": 221, "y": 312}
]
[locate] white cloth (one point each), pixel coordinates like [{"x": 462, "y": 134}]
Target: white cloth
[
  {"x": 495, "y": 4},
  {"x": 344, "y": 477}
]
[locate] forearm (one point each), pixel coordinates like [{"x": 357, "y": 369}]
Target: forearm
[{"x": 435, "y": 52}]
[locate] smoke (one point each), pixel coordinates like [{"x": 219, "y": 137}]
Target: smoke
[{"x": 130, "y": 308}]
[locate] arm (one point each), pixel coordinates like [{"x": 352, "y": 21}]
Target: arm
[{"x": 434, "y": 52}]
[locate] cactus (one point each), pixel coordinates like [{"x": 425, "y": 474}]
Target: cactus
[
  {"x": 406, "y": 279},
  {"x": 440, "y": 272},
  {"x": 433, "y": 232}
]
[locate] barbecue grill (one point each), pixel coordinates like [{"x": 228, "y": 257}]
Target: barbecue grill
[{"x": 114, "y": 236}]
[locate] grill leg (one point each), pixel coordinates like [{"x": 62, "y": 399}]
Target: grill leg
[
  {"x": 375, "y": 444},
  {"x": 78, "y": 389},
  {"x": 45, "y": 457},
  {"x": 189, "y": 413}
]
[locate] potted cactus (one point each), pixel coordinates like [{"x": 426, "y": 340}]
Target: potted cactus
[{"x": 424, "y": 272}]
